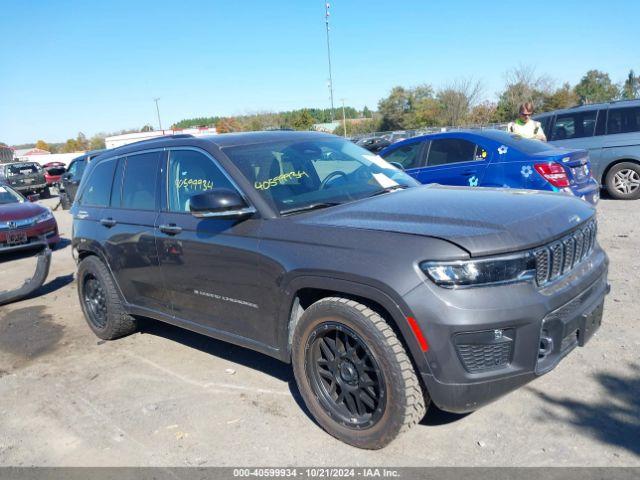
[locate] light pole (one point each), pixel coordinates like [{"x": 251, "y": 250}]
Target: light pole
[
  {"x": 326, "y": 18},
  {"x": 344, "y": 119},
  {"x": 158, "y": 111}
]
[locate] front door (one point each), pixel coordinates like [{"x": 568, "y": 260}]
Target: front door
[{"x": 209, "y": 265}]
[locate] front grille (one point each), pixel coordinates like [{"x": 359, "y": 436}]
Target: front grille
[{"x": 561, "y": 256}]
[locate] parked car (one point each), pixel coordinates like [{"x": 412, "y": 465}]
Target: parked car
[
  {"x": 70, "y": 180},
  {"x": 24, "y": 224},
  {"x": 493, "y": 158},
  {"x": 25, "y": 177},
  {"x": 611, "y": 134},
  {"x": 53, "y": 172},
  {"x": 373, "y": 144},
  {"x": 384, "y": 295}
]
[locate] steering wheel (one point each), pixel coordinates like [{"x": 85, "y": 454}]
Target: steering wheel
[{"x": 328, "y": 178}]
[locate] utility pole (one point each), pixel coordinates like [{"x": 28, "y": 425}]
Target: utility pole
[
  {"x": 158, "y": 111},
  {"x": 344, "y": 119},
  {"x": 326, "y": 18}
]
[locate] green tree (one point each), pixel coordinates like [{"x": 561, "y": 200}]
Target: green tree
[
  {"x": 366, "y": 113},
  {"x": 483, "y": 114},
  {"x": 97, "y": 142},
  {"x": 70, "y": 146},
  {"x": 631, "y": 86},
  {"x": 228, "y": 125},
  {"x": 455, "y": 101},
  {"x": 146, "y": 128},
  {"x": 522, "y": 84},
  {"x": 563, "y": 97},
  {"x": 42, "y": 145},
  {"x": 302, "y": 120},
  {"x": 595, "y": 87},
  {"x": 406, "y": 107}
]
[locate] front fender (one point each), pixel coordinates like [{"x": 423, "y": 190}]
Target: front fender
[{"x": 390, "y": 301}]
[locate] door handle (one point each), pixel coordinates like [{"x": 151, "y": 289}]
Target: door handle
[
  {"x": 171, "y": 229},
  {"x": 108, "y": 222}
]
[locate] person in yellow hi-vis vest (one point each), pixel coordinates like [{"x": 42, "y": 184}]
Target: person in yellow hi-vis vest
[{"x": 525, "y": 126}]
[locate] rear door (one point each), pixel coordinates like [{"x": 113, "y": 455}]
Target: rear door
[
  {"x": 582, "y": 129},
  {"x": 454, "y": 161},
  {"x": 129, "y": 225}
]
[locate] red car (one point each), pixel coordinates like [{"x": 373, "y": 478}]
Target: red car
[
  {"x": 53, "y": 171},
  {"x": 24, "y": 224}
]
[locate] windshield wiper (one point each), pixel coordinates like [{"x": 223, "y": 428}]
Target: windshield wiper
[
  {"x": 389, "y": 189},
  {"x": 313, "y": 206}
]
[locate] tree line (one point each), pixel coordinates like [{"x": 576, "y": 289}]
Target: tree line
[{"x": 456, "y": 103}]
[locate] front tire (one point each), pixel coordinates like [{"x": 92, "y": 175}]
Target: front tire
[
  {"x": 354, "y": 375},
  {"x": 623, "y": 181},
  {"x": 100, "y": 301}
]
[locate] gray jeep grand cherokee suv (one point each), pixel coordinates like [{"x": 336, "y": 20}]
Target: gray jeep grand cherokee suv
[{"x": 384, "y": 295}]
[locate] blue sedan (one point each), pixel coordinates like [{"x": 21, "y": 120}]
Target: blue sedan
[{"x": 493, "y": 158}]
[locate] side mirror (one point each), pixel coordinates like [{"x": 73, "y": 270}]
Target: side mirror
[
  {"x": 33, "y": 197},
  {"x": 220, "y": 203},
  {"x": 398, "y": 165}
]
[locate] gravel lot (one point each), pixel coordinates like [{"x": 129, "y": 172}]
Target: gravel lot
[{"x": 173, "y": 398}]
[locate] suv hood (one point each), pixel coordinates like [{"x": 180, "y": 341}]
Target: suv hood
[{"x": 483, "y": 221}]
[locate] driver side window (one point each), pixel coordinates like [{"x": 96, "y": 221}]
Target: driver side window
[{"x": 190, "y": 173}]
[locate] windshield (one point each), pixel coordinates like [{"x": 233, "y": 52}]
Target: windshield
[
  {"x": 22, "y": 169},
  {"x": 298, "y": 174},
  {"x": 9, "y": 196}
]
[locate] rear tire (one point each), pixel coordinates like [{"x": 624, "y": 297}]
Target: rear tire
[
  {"x": 45, "y": 193},
  {"x": 354, "y": 375},
  {"x": 623, "y": 181},
  {"x": 100, "y": 301}
]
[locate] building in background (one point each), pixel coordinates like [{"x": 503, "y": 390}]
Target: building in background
[
  {"x": 127, "y": 138},
  {"x": 26, "y": 154}
]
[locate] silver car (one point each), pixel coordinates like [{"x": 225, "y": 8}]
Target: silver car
[{"x": 611, "y": 133}]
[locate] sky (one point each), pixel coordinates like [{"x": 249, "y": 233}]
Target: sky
[{"x": 96, "y": 66}]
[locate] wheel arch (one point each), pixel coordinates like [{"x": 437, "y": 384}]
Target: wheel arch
[
  {"x": 613, "y": 163},
  {"x": 306, "y": 290}
]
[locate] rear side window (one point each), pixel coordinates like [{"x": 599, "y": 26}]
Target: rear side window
[
  {"x": 451, "y": 150},
  {"x": 574, "y": 125},
  {"x": 190, "y": 173},
  {"x": 408, "y": 155},
  {"x": 623, "y": 120},
  {"x": 98, "y": 187},
  {"x": 140, "y": 185}
]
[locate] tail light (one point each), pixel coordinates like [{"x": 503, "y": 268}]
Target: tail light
[{"x": 553, "y": 173}]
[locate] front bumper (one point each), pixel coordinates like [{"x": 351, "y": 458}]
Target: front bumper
[
  {"x": 514, "y": 313},
  {"x": 35, "y": 235}
]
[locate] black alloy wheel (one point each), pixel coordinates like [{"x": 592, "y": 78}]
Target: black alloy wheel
[
  {"x": 345, "y": 376},
  {"x": 95, "y": 301}
]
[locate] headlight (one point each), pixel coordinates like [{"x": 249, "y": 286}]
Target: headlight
[
  {"x": 43, "y": 217},
  {"x": 473, "y": 273}
]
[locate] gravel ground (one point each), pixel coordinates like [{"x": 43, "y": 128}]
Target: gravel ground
[{"x": 168, "y": 397}]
